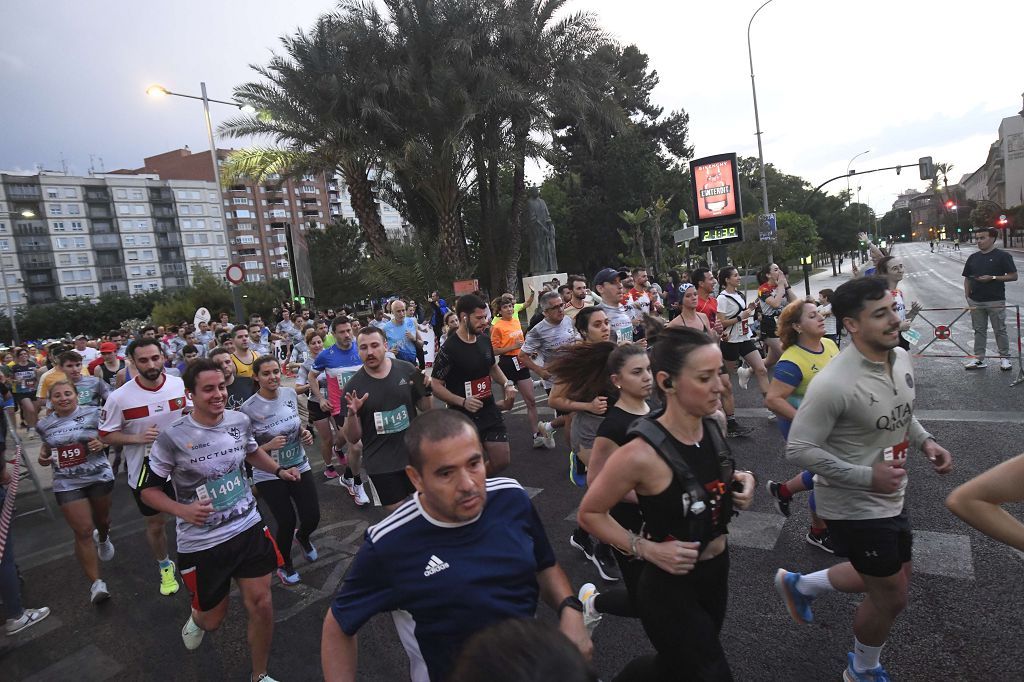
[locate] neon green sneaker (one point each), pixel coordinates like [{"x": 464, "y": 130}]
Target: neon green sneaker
[{"x": 168, "y": 583}]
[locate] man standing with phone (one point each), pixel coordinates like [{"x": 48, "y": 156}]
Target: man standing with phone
[{"x": 985, "y": 274}]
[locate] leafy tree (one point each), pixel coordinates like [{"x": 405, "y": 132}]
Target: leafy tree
[
  {"x": 895, "y": 223},
  {"x": 337, "y": 261},
  {"x": 634, "y": 238}
]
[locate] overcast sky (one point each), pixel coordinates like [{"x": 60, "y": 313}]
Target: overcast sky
[{"x": 903, "y": 78}]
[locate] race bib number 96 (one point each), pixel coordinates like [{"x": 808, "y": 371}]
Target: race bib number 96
[{"x": 478, "y": 388}]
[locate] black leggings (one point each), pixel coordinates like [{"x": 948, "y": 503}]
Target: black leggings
[
  {"x": 279, "y": 496},
  {"x": 621, "y": 599},
  {"x": 682, "y": 616}
]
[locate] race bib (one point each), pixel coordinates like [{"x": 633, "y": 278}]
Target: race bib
[
  {"x": 391, "y": 421},
  {"x": 222, "y": 492},
  {"x": 85, "y": 396},
  {"x": 69, "y": 455},
  {"x": 515, "y": 363},
  {"x": 478, "y": 388},
  {"x": 625, "y": 334},
  {"x": 896, "y": 454},
  {"x": 290, "y": 455},
  {"x": 344, "y": 377}
]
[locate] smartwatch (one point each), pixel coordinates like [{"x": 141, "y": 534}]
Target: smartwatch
[{"x": 572, "y": 602}]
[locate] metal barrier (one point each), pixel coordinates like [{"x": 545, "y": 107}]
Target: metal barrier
[
  {"x": 943, "y": 333},
  {"x": 21, "y": 459}
]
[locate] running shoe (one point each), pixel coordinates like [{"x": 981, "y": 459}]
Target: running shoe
[
  {"x": 192, "y": 634},
  {"x": 168, "y": 583},
  {"x": 538, "y": 441},
  {"x": 975, "y": 364},
  {"x": 876, "y": 674},
  {"x": 822, "y": 542},
  {"x": 264, "y": 677},
  {"x": 605, "y": 562},
  {"x": 348, "y": 484},
  {"x": 308, "y": 550},
  {"x": 105, "y": 549},
  {"x": 329, "y": 472},
  {"x": 546, "y": 430},
  {"x": 98, "y": 592},
  {"x": 577, "y": 471},
  {"x": 360, "y": 497},
  {"x": 581, "y": 541},
  {"x": 798, "y": 604},
  {"x": 590, "y": 616},
  {"x": 743, "y": 374},
  {"x": 734, "y": 430},
  {"x": 287, "y": 578},
  {"x": 29, "y": 617},
  {"x": 1005, "y": 365},
  {"x": 781, "y": 503}
]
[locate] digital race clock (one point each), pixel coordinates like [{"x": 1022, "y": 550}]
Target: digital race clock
[{"x": 718, "y": 234}]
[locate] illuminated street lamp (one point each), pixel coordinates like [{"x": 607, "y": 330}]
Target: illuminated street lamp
[{"x": 807, "y": 261}]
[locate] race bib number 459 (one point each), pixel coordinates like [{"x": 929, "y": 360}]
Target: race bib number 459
[
  {"x": 70, "y": 455},
  {"x": 391, "y": 421}
]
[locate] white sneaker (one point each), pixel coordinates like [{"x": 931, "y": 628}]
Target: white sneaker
[
  {"x": 360, "y": 497},
  {"x": 590, "y": 617},
  {"x": 265, "y": 677},
  {"x": 1005, "y": 365},
  {"x": 538, "y": 441},
  {"x": 744, "y": 376},
  {"x": 975, "y": 364},
  {"x": 547, "y": 431},
  {"x": 104, "y": 549},
  {"x": 192, "y": 634},
  {"x": 98, "y": 592},
  {"x": 29, "y": 618},
  {"x": 348, "y": 484}
]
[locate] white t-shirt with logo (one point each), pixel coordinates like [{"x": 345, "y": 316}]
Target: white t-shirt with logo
[
  {"x": 132, "y": 409},
  {"x": 732, "y": 306}
]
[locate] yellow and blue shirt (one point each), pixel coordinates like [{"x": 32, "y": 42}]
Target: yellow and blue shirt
[{"x": 797, "y": 367}]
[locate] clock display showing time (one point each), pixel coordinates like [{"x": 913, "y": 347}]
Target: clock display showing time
[{"x": 721, "y": 233}]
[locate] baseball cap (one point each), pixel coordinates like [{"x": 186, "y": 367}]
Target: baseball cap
[
  {"x": 608, "y": 275},
  {"x": 108, "y": 347}
]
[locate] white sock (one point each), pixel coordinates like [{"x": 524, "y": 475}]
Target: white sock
[
  {"x": 814, "y": 584},
  {"x": 865, "y": 657}
]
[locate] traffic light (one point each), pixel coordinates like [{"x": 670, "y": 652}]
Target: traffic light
[
  {"x": 1002, "y": 222},
  {"x": 926, "y": 168},
  {"x": 950, "y": 204}
]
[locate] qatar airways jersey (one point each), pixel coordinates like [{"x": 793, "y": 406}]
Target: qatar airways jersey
[
  {"x": 205, "y": 463},
  {"x": 67, "y": 438},
  {"x": 132, "y": 409},
  {"x": 340, "y": 366},
  {"x": 272, "y": 418}
]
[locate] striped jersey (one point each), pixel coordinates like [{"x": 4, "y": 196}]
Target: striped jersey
[{"x": 67, "y": 439}]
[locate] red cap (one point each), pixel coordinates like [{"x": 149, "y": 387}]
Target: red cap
[{"x": 108, "y": 347}]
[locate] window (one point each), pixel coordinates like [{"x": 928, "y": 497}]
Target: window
[
  {"x": 120, "y": 194},
  {"x": 83, "y": 259},
  {"x": 135, "y": 271},
  {"x": 70, "y": 193},
  {"x": 132, "y": 255},
  {"x": 62, "y": 242},
  {"x": 216, "y": 224},
  {"x": 5, "y": 246},
  {"x": 64, "y": 259},
  {"x": 136, "y": 286},
  {"x": 145, "y": 240},
  {"x": 141, "y": 224},
  {"x": 153, "y": 286},
  {"x": 59, "y": 226},
  {"x": 76, "y": 226},
  {"x": 129, "y": 240},
  {"x": 79, "y": 242},
  {"x": 244, "y": 214},
  {"x": 240, "y": 201},
  {"x": 52, "y": 193},
  {"x": 211, "y": 196},
  {"x": 201, "y": 224},
  {"x": 137, "y": 195},
  {"x": 197, "y": 209},
  {"x": 124, "y": 209},
  {"x": 73, "y": 209},
  {"x": 147, "y": 254},
  {"x": 221, "y": 252},
  {"x": 219, "y": 238},
  {"x": 241, "y": 227},
  {"x": 186, "y": 224},
  {"x": 56, "y": 209},
  {"x": 140, "y": 209}
]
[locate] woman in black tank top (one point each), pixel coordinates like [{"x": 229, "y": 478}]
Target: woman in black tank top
[
  {"x": 682, "y": 591},
  {"x": 690, "y": 317}
]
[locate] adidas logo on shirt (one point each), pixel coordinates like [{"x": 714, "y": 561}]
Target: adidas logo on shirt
[{"x": 435, "y": 565}]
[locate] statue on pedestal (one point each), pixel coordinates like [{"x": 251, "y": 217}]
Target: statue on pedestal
[{"x": 541, "y": 234}]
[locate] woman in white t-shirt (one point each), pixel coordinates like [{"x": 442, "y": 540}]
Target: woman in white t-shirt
[
  {"x": 892, "y": 269},
  {"x": 735, "y": 313}
]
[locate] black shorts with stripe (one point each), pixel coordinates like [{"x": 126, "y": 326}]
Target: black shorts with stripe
[{"x": 208, "y": 573}]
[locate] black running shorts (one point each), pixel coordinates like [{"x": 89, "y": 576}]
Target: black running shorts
[
  {"x": 207, "y": 574},
  {"x": 875, "y": 547},
  {"x": 392, "y": 487},
  {"x": 732, "y": 352},
  {"x": 89, "y": 492},
  {"x": 508, "y": 368},
  {"x": 145, "y": 508}
]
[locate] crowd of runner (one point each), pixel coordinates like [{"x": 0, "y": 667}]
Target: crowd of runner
[{"x": 641, "y": 379}]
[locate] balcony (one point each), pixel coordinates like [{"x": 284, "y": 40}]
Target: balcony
[
  {"x": 169, "y": 255},
  {"x": 17, "y": 192},
  {"x": 164, "y": 226},
  {"x": 168, "y": 240},
  {"x": 113, "y": 272},
  {"x": 279, "y": 226},
  {"x": 39, "y": 279},
  {"x": 30, "y": 245},
  {"x": 97, "y": 195},
  {"x": 102, "y": 227},
  {"x": 162, "y": 212},
  {"x": 29, "y": 229},
  {"x": 100, "y": 212},
  {"x": 162, "y": 194},
  {"x": 175, "y": 282},
  {"x": 47, "y": 295},
  {"x": 172, "y": 268},
  {"x": 37, "y": 262},
  {"x": 106, "y": 241}
]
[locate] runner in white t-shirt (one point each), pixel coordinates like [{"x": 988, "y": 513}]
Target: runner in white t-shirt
[
  {"x": 133, "y": 416},
  {"x": 734, "y": 313}
]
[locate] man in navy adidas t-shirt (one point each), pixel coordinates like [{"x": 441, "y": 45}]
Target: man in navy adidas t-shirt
[{"x": 463, "y": 553}]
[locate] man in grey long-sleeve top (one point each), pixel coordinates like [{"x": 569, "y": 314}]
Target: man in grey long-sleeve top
[{"x": 853, "y": 431}]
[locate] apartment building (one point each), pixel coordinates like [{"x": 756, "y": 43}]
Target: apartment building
[{"x": 66, "y": 236}]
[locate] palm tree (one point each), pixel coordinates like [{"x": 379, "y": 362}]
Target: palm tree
[
  {"x": 636, "y": 219},
  {"x": 311, "y": 102}
]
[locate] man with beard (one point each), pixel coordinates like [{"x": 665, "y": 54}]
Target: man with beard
[
  {"x": 382, "y": 400},
  {"x": 464, "y": 553},
  {"x": 239, "y": 388},
  {"x": 854, "y": 431},
  {"x": 243, "y": 356},
  {"x": 462, "y": 376},
  {"x": 579, "y": 299},
  {"x": 133, "y": 416}
]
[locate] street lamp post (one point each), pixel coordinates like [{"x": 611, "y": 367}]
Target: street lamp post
[
  {"x": 3, "y": 275},
  {"x": 757, "y": 118},
  {"x": 855, "y": 157},
  {"x": 161, "y": 91}
]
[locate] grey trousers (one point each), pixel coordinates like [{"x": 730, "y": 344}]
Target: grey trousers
[{"x": 984, "y": 312}]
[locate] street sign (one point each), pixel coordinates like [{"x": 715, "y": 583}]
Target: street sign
[
  {"x": 721, "y": 234},
  {"x": 684, "y": 235},
  {"x": 235, "y": 274},
  {"x": 465, "y": 286},
  {"x": 766, "y": 227}
]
